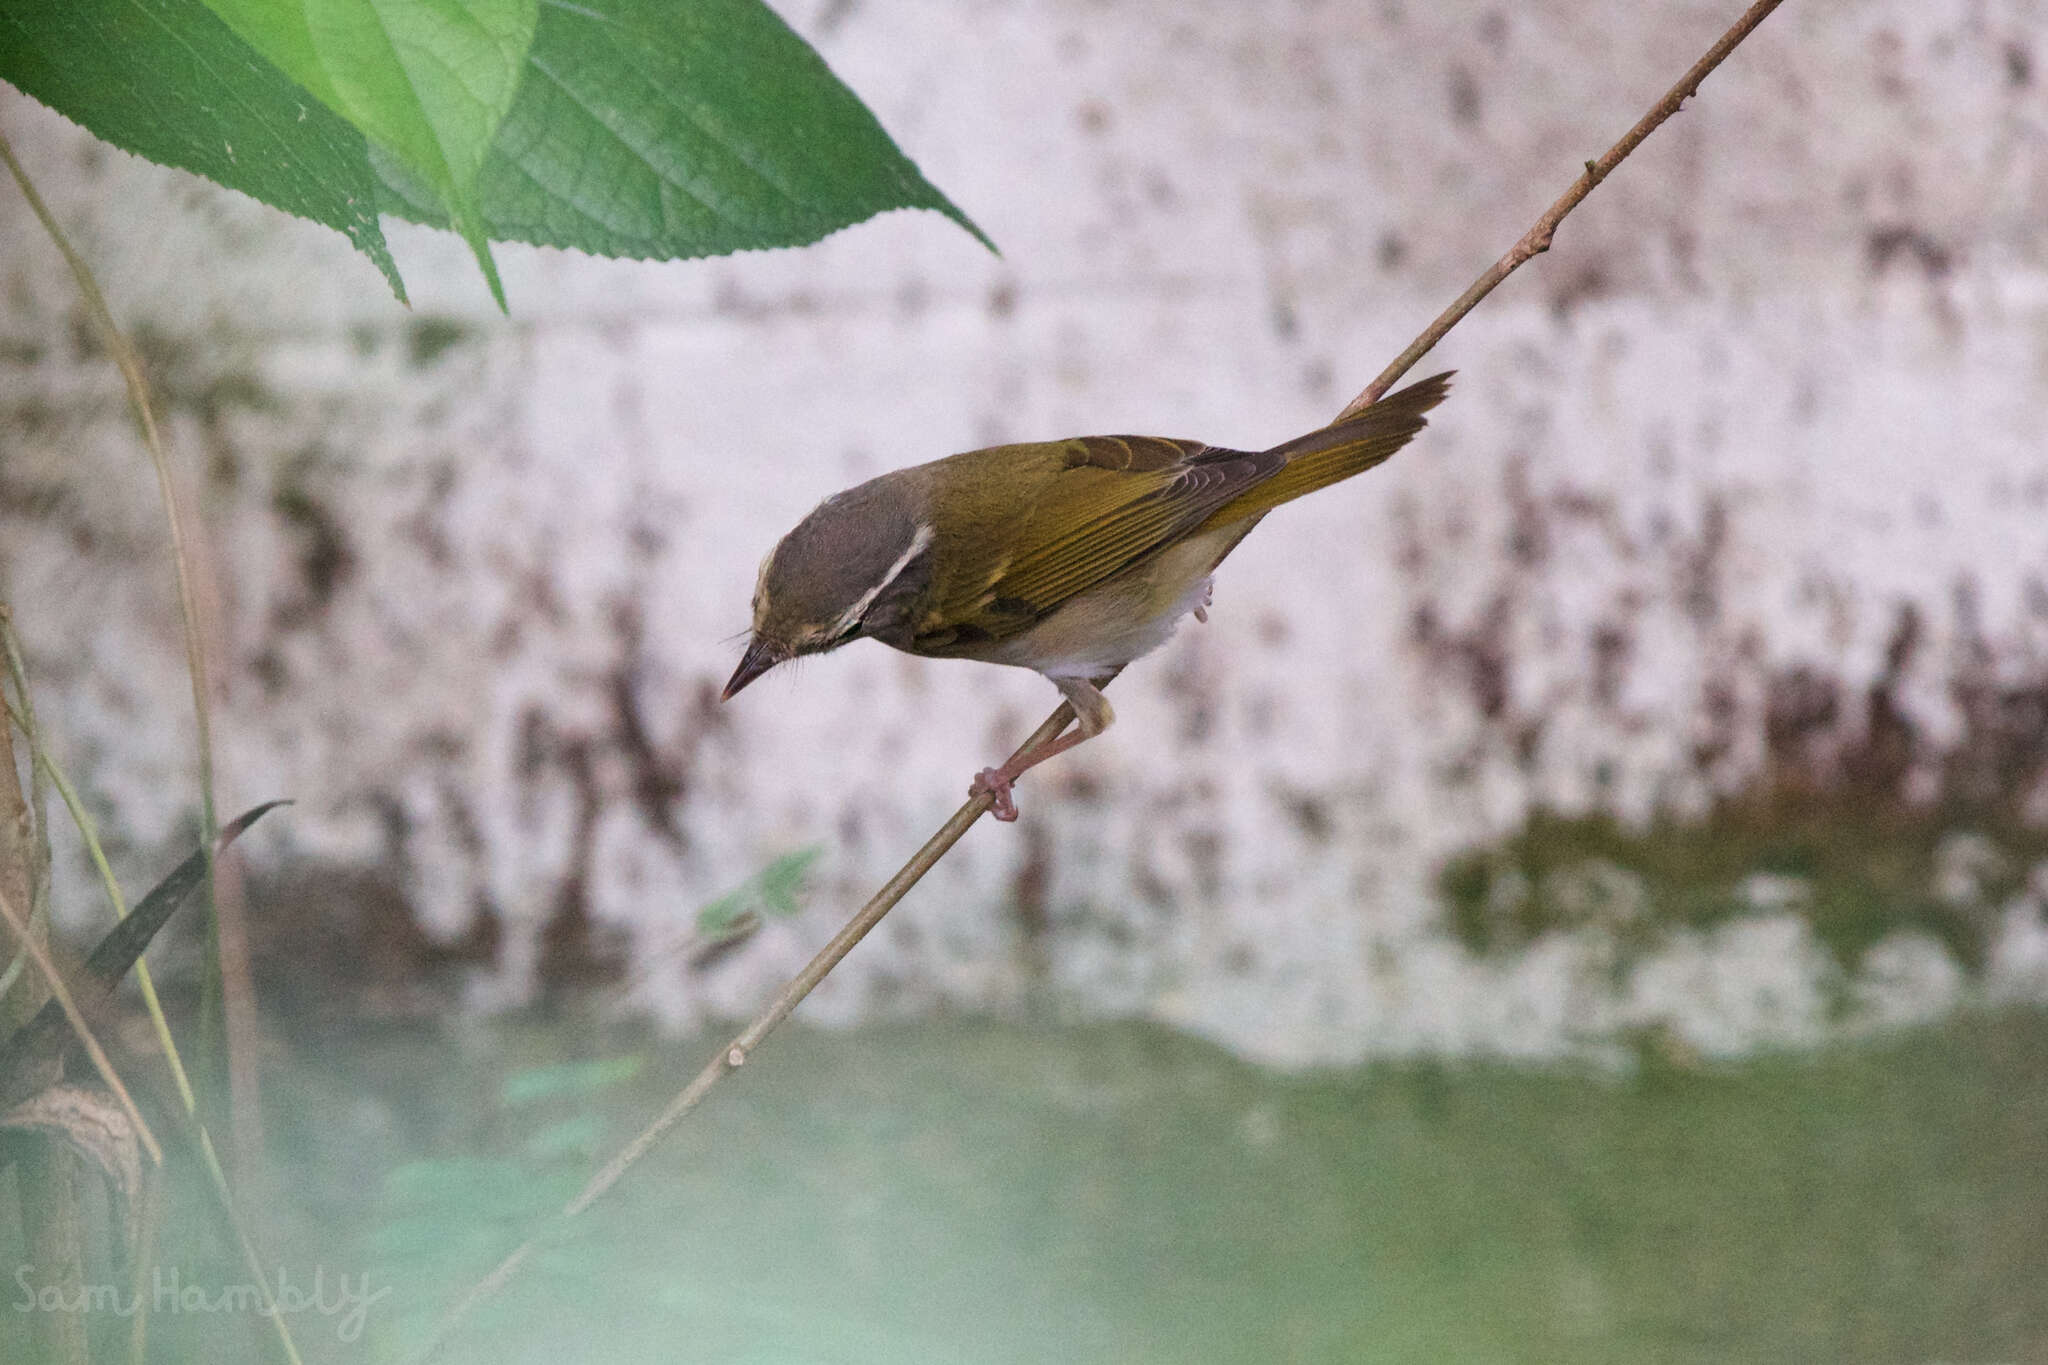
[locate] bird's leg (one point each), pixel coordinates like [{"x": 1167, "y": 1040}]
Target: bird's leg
[
  {"x": 1202, "y": 607},
  {"x": 1092, "y": 715}
]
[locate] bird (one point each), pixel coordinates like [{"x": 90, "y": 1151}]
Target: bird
[{"x": 1070, "y": 558}]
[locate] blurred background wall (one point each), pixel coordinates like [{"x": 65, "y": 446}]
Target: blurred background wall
[{"x": 1687, "y": 680}]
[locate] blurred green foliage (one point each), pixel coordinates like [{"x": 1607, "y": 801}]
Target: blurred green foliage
[{"x": 981, "y": 1192}]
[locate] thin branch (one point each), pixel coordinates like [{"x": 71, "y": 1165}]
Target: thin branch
[
  {"x": 1533, "y": 243},
  {"x": 735, "y": 1053},
  {"x": 232, "y": 957},
  {"x": 1536, "y": 240},
  {"x": 41, "y": 957}
]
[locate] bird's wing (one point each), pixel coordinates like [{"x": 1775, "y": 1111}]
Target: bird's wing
[
  {"x": 1059, "y": 517},
  {"x": 1098, "y": 505}
]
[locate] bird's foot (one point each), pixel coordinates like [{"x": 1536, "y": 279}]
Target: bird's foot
[
  {"x": 1202, "y": 607},
  {"x": 994, "y": 783}
]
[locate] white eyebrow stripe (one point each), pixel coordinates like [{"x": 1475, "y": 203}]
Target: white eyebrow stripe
[{"x": 919, "y": 543}]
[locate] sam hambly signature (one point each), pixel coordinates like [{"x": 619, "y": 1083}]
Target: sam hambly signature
[{"x": 332, "y": 1294}]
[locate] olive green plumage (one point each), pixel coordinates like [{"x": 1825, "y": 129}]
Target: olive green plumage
[{"x": 1068, "y": 557}]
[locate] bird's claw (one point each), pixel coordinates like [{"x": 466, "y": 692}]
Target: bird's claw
[
  {"x": 994, "y": 783},
  {"x": 1202, "y": 607}
]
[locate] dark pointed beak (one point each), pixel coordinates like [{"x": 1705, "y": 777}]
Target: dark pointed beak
[{"x": 757, "y": 660}]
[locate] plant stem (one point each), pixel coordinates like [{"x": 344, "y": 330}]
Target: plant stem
[
  {"x": 17, "y": 863},
  {"x": 89, "y": 832},
  {"x": 19, "y": 826},
  {"x": 42, "y": 1181},
  {"x": 18, "y": 926},
  {"x": 233, "y": 964},
  {"x": 49, "y": 1215},
  {"x": 232, "y": 960}
]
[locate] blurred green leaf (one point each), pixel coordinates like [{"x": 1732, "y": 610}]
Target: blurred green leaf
[
  {"x": 782, "y": 879},
  {"x": 577, "y": 1136},
  {"x": 723, "y": 916},
  {"x": 425, "y": 1202},
  {"x": 567, "y": 1078},
  {"x": 774, "y": 890},
  {"x": 457, "y": 1180}
]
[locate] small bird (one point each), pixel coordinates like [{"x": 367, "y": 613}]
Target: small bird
[{"x": 1071, "y": 558}]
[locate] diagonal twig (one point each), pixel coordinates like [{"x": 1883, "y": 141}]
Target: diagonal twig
[
  {"x": 734, "y": 1055},
  {"x": 1533, "y": 243},
  {"x": 1536, "y": 240}
]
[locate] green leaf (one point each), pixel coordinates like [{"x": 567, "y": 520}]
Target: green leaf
[
  {"x": 774, "y": 890},
  {"x": 455, "y": 1182},
  {"x": 642, "y": 128},
  {"x": 782, "y": 879},
  {"x": 655, "y": 130},
  {"x": 439, "y": 1214},
  {"x": 578, "y": 1135},
  {"x": 427, "y": 80},
  {"x": 724, "y": 915},
  {"x": 567, "y": 1078},
  {"x": 166, "y": 80}
]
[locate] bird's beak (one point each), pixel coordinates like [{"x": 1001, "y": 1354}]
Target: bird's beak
[{"x": 758, "y": 659}]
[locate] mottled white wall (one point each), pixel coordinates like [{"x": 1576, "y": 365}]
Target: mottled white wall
[{"x": 1785, "y": 372}]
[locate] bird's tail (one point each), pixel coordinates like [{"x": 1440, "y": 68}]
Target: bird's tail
[{"x": 1338, "y": 451}]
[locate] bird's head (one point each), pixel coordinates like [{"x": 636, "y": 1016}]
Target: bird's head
[{"x": 820, "y": 585}]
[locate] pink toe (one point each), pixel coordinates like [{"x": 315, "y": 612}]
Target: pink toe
[{"x": 992, "y": 783}]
